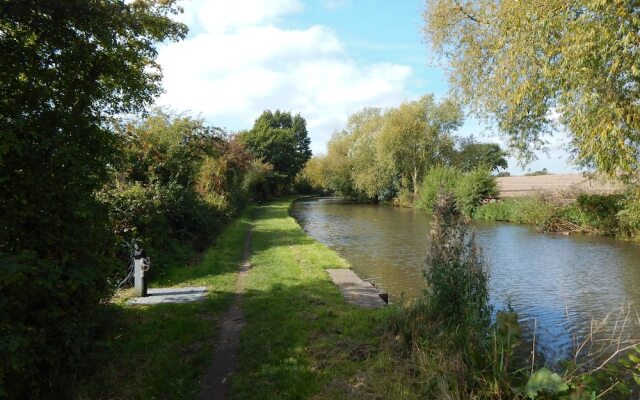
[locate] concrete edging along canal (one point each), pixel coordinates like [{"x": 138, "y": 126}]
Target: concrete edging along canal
[{"x": 355, "y": 290}]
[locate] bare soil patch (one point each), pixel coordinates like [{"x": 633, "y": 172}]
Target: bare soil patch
[{"x": 215, "y": 383}]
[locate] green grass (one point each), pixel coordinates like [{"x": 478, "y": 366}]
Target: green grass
[
  {"x": 302, "y": 340},
  {"x": 593, "y": 214},
  {"x": 161, "y": 351},
  {"x": 532, "y": 210}
]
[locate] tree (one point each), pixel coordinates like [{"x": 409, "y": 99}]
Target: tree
[
  {"x": 373, "y": 178},
  {"x": 416, "y": 135},
  {"x": 66, "y": 68},
  {"x": 314, "y": 173},
  {"x": 280, "y": 140},
  {"x": 524, "y": 63},
  {"x": 474, "y": 155},
  {"x": 338, "y": 165}
]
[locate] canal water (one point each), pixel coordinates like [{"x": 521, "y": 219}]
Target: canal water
[{"x": 561, "y": 286}]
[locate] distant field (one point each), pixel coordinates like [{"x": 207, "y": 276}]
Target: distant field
[{"x": 514, "y": 186}]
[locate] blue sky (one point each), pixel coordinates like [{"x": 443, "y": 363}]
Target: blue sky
[{"x": 323, "y": 58}]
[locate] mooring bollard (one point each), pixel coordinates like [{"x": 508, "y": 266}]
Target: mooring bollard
[{"x": 141, "y": 266}]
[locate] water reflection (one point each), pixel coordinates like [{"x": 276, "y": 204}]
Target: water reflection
[{"x": 560, "y": 282}]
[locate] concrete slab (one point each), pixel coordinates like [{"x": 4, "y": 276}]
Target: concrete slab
[
  {"x": 355, "y": 290},
  {"x": 170, "y": 295}
]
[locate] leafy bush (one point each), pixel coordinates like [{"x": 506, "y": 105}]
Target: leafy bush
[
  {"x": 601, "y": 214},
  {"x": 436, "y": 179},
  {"x": 629, "y": 215},
  {"x": 455, "y": 270},
  {"x": 501, "y": 210},
  {"x": 533, "y": 210},
  {"x": 456, "y": 298},
  {"x": 444, "y": 331},
  {"x": 177, "y": 184},
  {"x": 474, "y": 188},
  {"x": 593, "y": 212},
  {"x": 404, "y": 198}
]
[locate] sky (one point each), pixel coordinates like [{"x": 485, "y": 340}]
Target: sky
[{"x": 324, "y": 59}]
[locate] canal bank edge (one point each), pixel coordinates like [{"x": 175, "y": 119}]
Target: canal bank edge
[{"x": 354, "y": 289}]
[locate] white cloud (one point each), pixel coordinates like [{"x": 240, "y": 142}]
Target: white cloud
[
  {"x": 334, "y": 4},
  {"x": 240, "y": 62},
  {"x": 224, "y": 15}
]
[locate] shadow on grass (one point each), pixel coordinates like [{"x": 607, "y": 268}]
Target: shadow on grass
[
  {"x": 300, "y": 339},
  {"x": 303, "y": 338},
  {"x": 155, "y": 351},
  {"x": 161, "y": 351},
  {"x": 222, "y": 258}
]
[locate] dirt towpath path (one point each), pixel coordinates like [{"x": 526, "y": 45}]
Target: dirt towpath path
[{"x": 215, "y": 383}]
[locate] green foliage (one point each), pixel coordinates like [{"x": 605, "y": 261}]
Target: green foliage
[
  {"x": 590, "y": 213},
  {"x": 281, "y": 140},
  {"x": 455, "y": 272},
  {"x": 521, "y": 62},
  {"x": 534, "y": 210},
  {"x": 178, "y": 183},
  {"x": 314, "y": 174},
  {"x": 416, "y": 136},
  {"x": 371, "y": 171},
  {"x": 473, "y": 155},
  {"x": 544, "y": 381},
  {"x": 504, "y": 339},
  {"x": 379, "y": 154},
  {"x": 474, "y": 188},
  {"x": 598, "y": 212},
  {"x": 336, "y": 167},
  {"x": 471, "y": 189},
  {"x": 447, "y": 332},
  {"x": 66, "y": 68},
  {"x": 303, "y": 185},
  {"x": 543, "y": 171},
  {"x": 436, "y": 179},
  {"x": 404, "y": 198},
  {"x": 630, "y": 214}
]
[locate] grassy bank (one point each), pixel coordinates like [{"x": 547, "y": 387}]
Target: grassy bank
[
  {"x": 302, "y": 339},
  {"x": 161, "y": 351},
  {"x": 583, "y": 213}
]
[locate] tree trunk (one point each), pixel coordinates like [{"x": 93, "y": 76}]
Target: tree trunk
[{"x": 415, "y": 182}]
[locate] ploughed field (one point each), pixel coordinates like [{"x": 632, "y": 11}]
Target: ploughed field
[{"x": 514, "y": 186}]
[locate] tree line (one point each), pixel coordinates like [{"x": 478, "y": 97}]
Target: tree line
[{"x": 384, "y": 155}]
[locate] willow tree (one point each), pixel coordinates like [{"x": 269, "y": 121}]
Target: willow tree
[
  {"x": 337, "y": 165},
  {"x": 371, "y": 175},
  {"x": 417, "y": 135},
  {"x": 532, "y": 64}
]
